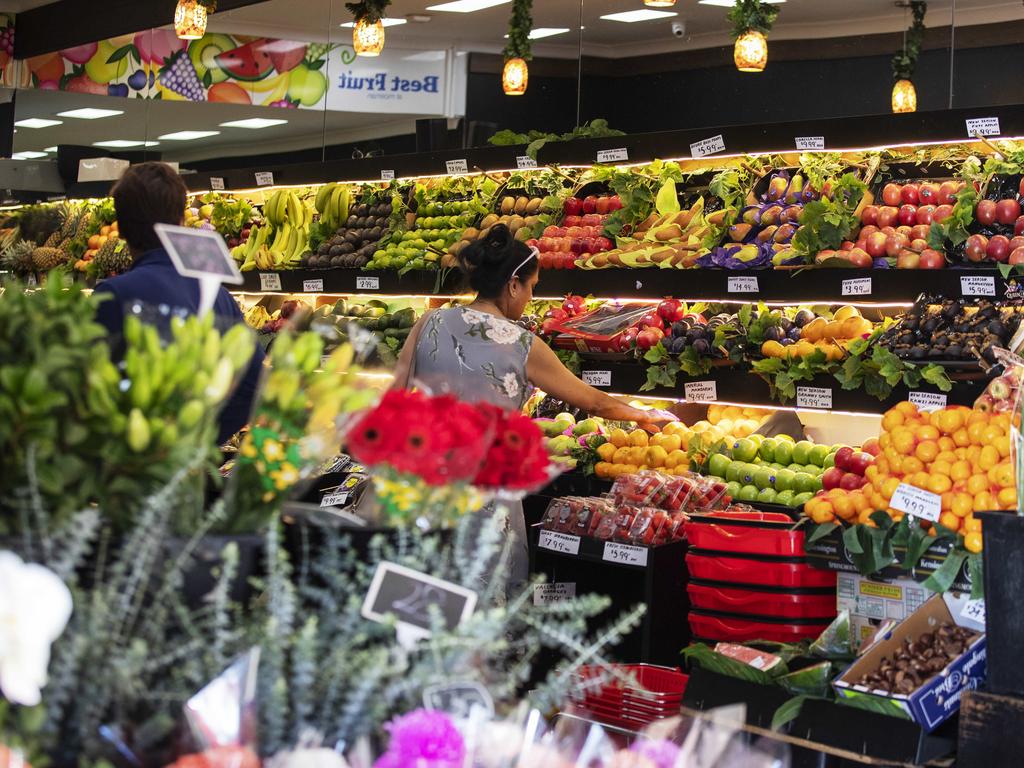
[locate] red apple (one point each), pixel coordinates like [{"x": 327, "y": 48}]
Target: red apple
[
  {"x": 925, "y": 214},
  {"x": 904, "y": 230},
  {"x": 550, "y": 231},
  {"x": 831, "y": 478},
  {"x": 908, "y": 215},
  {"x": 647, "y": 338},
  {"x": 931, "y": 259},
  {"x": 671, "y": 310},
  {"x": 859, "y": 462},
  {"x": 1016, "y": 256},
  {"x": 573, "y": 206},
  {"x": 928, "y": 193},
  {"x": 1007, "y": 211},
  {"x": 1018, "y": 226},
  {"x": 869, "y": 215},
  {"x": 590, "y": 220},
  {"x": 651, "y": 320},
  {"x": 602, "y": 243},
  {"x": 860, "y": 258},
  {"x": 871, "y": 446},
  {"x": 892, "y": 194},
  {"x": 549, "y": 327},
  {"x": 908, "y": 260},
  {"x": 976, "y": 247},
  {"x": 998, "y": 248},
  {"x": 894, "y": 244},
  {"x": 888, "y": 216},
  {"x": 909, "y": 194},
  {"x": 574, "y": 304},
  {"x": 942, "y": 212},
  {"x": 843, "y": 457},
  {"x": 867, "y": 232},
  {"x": 888, "y": 230},
  {"x": 861, "y": 243},
  {"x": 946, "y": 191},
  {"x": 876, "y": 245},
  {"x": 847, "y": 245},
  {"x": 590, "y": 204},
  {"x": 985, "y": 213},
  {"x": 918, "y": 245},
  {"x": 601, "y": 206},
  {"x": 614, "y": 203},
  {"x": 571, "y": 221},
  {"x": 1016, "y": 242},
  {"x": 851, "y": 481},
  {"x": 919, "y": 232},
  {"x": 557, "y": 314}
]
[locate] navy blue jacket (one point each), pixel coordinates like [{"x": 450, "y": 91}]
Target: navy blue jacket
[{"x": 161, "y": 292}]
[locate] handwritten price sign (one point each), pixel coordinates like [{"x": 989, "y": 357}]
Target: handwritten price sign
[
  {"x": 624, "y": 553},
  {"x": 559, "y": 542},
  {"x": 914, "y": 501}
]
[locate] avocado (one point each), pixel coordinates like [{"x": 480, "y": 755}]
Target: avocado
[
  {"x": 341, "y": 307},
  {"x": 404, "y": 318},
  {"x": 203, "y": 53}
]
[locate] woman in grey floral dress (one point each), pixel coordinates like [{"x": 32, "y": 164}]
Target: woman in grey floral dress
[{"x": 477, "y": 352}]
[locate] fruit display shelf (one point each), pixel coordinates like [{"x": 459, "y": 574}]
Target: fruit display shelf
[{"x": 807, "y": 285}]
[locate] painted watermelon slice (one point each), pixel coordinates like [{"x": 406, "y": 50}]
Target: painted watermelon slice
[{"x": 249, "y": 62}]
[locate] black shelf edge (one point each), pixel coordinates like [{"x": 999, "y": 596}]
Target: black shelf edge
[
  {"x": 592, "y": 550},
  {"x": 349, "y": 281}
]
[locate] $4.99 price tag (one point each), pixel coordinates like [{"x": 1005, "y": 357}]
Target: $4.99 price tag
[{"x": 914, "y": 501}]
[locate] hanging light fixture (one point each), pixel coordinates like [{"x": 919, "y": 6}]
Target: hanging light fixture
[
  {"x": 751, "y": 51},
  {"x": 514, "y": 77},
  {"x": 751, "y": 21},
  {"x": 659, "y": 3},
  {"x": 190, "y": 18},
  {"x": 368, "y": 37},
  {"x": 904, "y": 97}
]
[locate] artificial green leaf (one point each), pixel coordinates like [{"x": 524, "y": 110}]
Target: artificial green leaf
[
  {"x": 667, "y": 200},
  {"x": 944, "y": 576},
  {"x": 821, "y": 531},
  {"x": 788, "y": 712}
]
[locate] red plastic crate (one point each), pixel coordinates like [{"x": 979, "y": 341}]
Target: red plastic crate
[
  {"x": 728, "y": 598},
  {"x": 734, "y": 569},
  {"x": 740, "y": 629},
  {"x": 657, "y": 685},
  {"x": 745, "y": 539}
]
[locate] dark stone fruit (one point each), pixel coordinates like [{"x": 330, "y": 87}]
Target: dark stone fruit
[
  {"x": 324, "y": 249},
  {"x": 803, "y": 317},
  {"x": 937, "y": 352},
  {"x": 989, "y": 354},
  {"x": 794, "y": 334},
  {"x": 910, "y": 323},
  {"x": 678, "y": 345},
  {"x": 906, "y": 338},
  {"x": 918, "y": 352},
  {"x": 352, "y": 221},
  {"x": 941, "y": 340},
  {"x": 335, "y": 251},
  {"x": 363, "y": 210},
  {"x": 786, "y": 341},
  {"x": 954, "y": 351},
  {"x": 903, "y": 352},
  {"x": 338, "y": 239},
  {"x": 929, "y": 325},
  {"x": 786, "y": 324},
  {"x": 701, "y": 346},
  {"x": 996, "y": 328},
  {"x": 313, "y": 262},
  {"x": 773, "y": 334},
  {"x": 336, "y": 261},
  {"x": 347, "y": 248},
  {"x": 351, "y": 237},
  {"x": 375, "y": 234},
  {"x": 679, "y": 328}
]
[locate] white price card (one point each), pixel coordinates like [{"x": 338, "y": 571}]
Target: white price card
[
  {"x": 457, "y": 166},
  {"x": 387, "y": 175},
  {"x": 597, "y": 378},
  {"x": 624, "y": 553},
  {"x": 270, "y": 281},
  {"x": 973, "y": 610},
  {"x": 978, "y": 285},
  {"x": 559, "y": 542},
  {"x": 859, "y": 286},
  {"x": 916, "y": 502},
  {"x": 217, "y": 183},
  {"x": 743, "y": 285},
  {"x": 983, "y": 126},
  {"x": 313, "y": 286},
  {"x": 701, "y": 391},
  {"x": 613, "y": 155},
  {"x": 928, "y": 401},
  {"x": 336, "y": 499},
  {"x": 546, "y": 594},
  {"x": 264, "y": 179},
  {"x": 813, "y": 397},
  {"x": 525, "y": 162},
  {"x": 706, "y": 147},
  {"x": 807, "y": 143},
  {"x": 324, "y": 360},
  {"x": 367, "y": 283}
]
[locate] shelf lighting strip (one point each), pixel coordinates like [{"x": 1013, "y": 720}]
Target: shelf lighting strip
[{"x": 750, "y": 405}]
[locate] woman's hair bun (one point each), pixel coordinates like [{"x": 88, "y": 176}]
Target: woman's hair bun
[{"x": 488, "y": 263}]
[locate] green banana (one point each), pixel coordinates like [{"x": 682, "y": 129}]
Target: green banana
[
  {"x": 138, "y": 431},
  {"x": 323, "y": 195}
]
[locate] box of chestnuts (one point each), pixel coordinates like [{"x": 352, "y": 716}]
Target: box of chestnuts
[{"x": 920, "y": 669}]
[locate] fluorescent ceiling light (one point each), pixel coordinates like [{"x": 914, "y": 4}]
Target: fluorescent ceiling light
[
  {"x": 90, "y": 114},
  {"x": 387, "y": 23},
  {"x": 50, "y": 149},
  {"x": 731, "y": 3},
  {"x": 123, "y": 143},
  {"x": 641, "y": 15},
  {"x": 466, "y": 6},
  {"x": 27, "y": 155},
  {"x": 253, "y": 123},
  {"x": 541, "y": 32},
  {"x": 187, "y": 135},
  {"x": 37, "y": 122}
]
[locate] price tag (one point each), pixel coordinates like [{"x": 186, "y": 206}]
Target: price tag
[
  {"x": 412, "y": 598},
  {"x": 706, "y": 147},
  {"x": 457, "y": 166},
  {"x": 624, "y": 553},
  {"x": 546, "y": 594},
  {"x": 597, "y": 378},
  {"x": 928, "y": 401},
  {"x": 860, "y": 286},
  {"x": 336, "y": 499},
  {"x": 612, "y": 155},
  {"x": 367, "y": 283},
  {"x": 524, "y": 162},
  {"x": 701, "y": 391},
  {"x": 743, "y": 285},
  {"x": 387, "y": 175},
  {"x": 983, "y": 126},
  {"x": 270, "y": 281},
  {"x": 217, "y": 183},
  {"x": 559, "y": 542},
  {"x": 973, "y": 610},
  {"x": 813, "y": 397},
  {"x": 978, "y": 285},
  {"x": 805, "y": 143},
  {"x": 324, "y": 360},
  {"x": 264, "y": 179},
  {"x": 313, "y": 286},
  {"x": 914, "y": 501},
  {"x": 464, "y": 700}
]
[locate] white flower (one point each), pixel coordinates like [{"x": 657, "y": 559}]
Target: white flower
[
  {"x": 510, "y": 384},
  {"x": 502, "y": 331},
  {"x": 475, "y": 317},
  {"x": 35, "y": 606}
]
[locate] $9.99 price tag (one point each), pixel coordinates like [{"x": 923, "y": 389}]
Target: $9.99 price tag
[{"x": 914, "y": 501}]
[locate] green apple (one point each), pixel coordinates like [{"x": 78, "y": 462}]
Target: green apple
[
  {"x": 307, "y": 86},
  {"x": 767, "y": 496},
  {"x": 783, "y": 451},
  {"x": 748, "y": 493},
  {"x": 835, "y": 448},
  {"x": 818, "y": 454},
  {"x": 733, "y": 489},
  {"x": 551, "y": 428},
  {"x": 586, "y": 427},
  {"x": 802, "y": 498},
  {"x": 734, "y": 472},
  {"x": 795, "y": 467},
  {"x": 802, "y": 452},
  {"x": 764, "y": 478},
  {"x": 785, "y": 498},
  {"x": 767, "y": 449},
  {"x": 788, "y": 438},
  {"x": 718, "y": 464},
  {"x": 804, "y": 483},
  {"x": 561, "y": 426},
  {"x": 744, "y": 449},
  {"x": 748, "y": 474},
  {"x": 829, "y": 462},
  {"x": 566, "y": 416},
  {"x": 561, "y": 445},
  {"x": 813, "y": 469},
  {"x": 756, "y": 438},
  {"x": 784, "y": 480}
]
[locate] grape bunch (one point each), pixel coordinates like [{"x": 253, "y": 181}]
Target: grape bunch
[
  {"x": 317, "y": 51},
  {"x": 7, "y": 40},
  {"x": 180, "y": 76}
]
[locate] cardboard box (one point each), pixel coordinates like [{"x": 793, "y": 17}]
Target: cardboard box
[
  {"x": 879, "y": 599},
  {"x": 939, "y": 698}
]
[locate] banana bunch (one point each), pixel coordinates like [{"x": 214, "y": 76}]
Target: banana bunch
[
  {"x": 332, "y": 203},
  {"x": 257, "y": 316},
  {"x": 281, "y": 241}
]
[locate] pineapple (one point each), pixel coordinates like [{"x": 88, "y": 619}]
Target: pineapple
[
  {"x": 18, "y": 257},
  {"x": 53, "y": 240},
  {"x": 113, "y": 258},
  {"x": 83, "y": 226},
  {"x": 45, "y": 259}
]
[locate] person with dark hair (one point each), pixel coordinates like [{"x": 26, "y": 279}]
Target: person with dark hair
[
  {"x": 148, "y": 194},
  {"x": 477, "y": 352}
]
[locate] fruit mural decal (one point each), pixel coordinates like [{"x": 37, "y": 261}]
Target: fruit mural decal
[{"x": 6, "y": 45}]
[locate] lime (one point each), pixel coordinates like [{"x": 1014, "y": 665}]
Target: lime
[
  {"x": 784, "y": 479},
  {"x": 785, "y": 498},
  {"x": 802, "y": 498},
  {"x": 788, "y": 438},
  {"x": 829, "y": 462},
  {"x": 805, "y": 483},
  {"x": 748, "y": 493},
  {"x": 744, "y": 449},
  {"x": 719, "y": 464},
  {"x": 783, "y": 451},
  {"x": 818, "y": 454},
  {"x": 764, "y": 478},
  {"x": 767, "y": 449},
  {"x": 802, "y": 452},
  {"x": 767, "y": 496}
]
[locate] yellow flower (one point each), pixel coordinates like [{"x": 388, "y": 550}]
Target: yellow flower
[
  {"x": 285, "y": 477},
  {"x": 248, "y": 448},
  {"x": 272, "y": 450}
]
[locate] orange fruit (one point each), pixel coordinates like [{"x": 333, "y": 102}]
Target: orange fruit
[
  {"x": 961, "y": 470},
  {"x": 864, "y": 517},
  {"x": 949, "y": 420},
  {"x": 971, "y": 523},
  {"x": 976, "y": 432},
  {"x": 927, "y": 432},
  {"x": 843, "y": 507},
  {"x": 604, "y": 469},
  {"x": 939, "y": 483},
  {"x": 976, "y": 484},
  {"x": 884, "y": 440},
  {"x": 889, "y": 488},
  {"x": 912, "y": 465},
  {"x": 920, "y": 479},
  {"x": 984, "y": 502},
  {"x": 991, "y": 434},
  {"x": 903, "y": 441},
  {"x": 973, "y": 453},
  {"x": 1007, "y": 498},
  {"x": 871, "y": 472},
  {"x": 973, "y": 542},
  {"x": 823, "y": 513},
  {"x": 963, "y": 504},
  {"x": 860, "y": 502},
  {"x": 926, "y": 451},
  {"x": 938, "y": 467},
  {"x": 1003, "y": 446},
  {"x": 882, "y": 465},
  {"x": 961, "y": 438},
  {"x": 947, "y": 501},
  {"x": 977, "y": 417},
  {"x": 906, "y": 407},
  {"x": 1002, "y": 475},
  {"x": 892, "y": 418},
  {"x": 989, "y": 457},
  {"x": 950, "y": 520}
]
